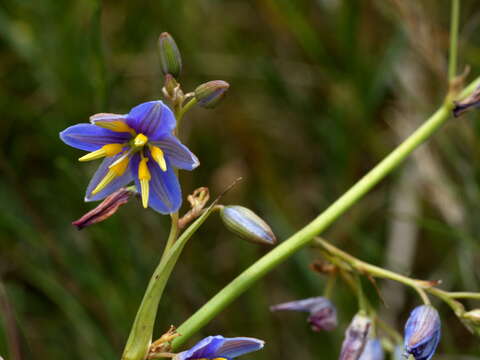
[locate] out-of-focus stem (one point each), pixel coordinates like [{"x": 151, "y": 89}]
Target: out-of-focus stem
[
  {"x": 454, "y": 22},
  {"x": 305, "y": 236}
]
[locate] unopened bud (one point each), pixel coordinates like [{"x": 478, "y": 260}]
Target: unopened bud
[
  {"x": 170, "y": 59},
  {"x": 107, "y": 208},
  {"x": 422, "y": 332},
  {"x": 323, "y": 315},
  {"x": 373, "y": 350},
  {"x": 469, "y": 103},
  {"x": 355, "y": 338},
  {"x": 473, "y": 316},
  {"x": 247, "y": 225},
  {"x": 208, "y": 95}
]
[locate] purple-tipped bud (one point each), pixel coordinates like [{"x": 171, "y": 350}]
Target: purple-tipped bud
[
  {"x": 373, "y": 350},
  {"x": 355, "y": 338},
  {"x": 247, "y": 225},
  {"x": 208, "y": 95},
  {"x": 422, "y": 333},
  {"x": 323, "y": 315},
  {"x": 170, "y": 59},
  {"x": 107, "y": 208}
]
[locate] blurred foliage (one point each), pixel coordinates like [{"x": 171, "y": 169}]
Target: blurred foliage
[{"x": 320, "y": 91}]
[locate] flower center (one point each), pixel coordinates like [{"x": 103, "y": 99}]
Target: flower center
[{"x": 140, "y": 140}]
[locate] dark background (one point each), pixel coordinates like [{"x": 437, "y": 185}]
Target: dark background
[{"x": 320, "y": 92}]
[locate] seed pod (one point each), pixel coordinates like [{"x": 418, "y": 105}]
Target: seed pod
[
  {"x": 323, "y": 314},
  {"x": 355, "y": 338},
  {"x": 247, "y": 225},
  {"x": 170, "y": 59},
  {"x": 422, "y": 332},
  {"x": 373, "y": 350},
  {"x": 209, "y": 94}
]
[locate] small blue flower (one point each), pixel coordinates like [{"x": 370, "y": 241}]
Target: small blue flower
[
  {"x": 422, "y": 333},
  {"x": 373, "y": 350},
  {"x": 323, "y": 314},
  {"x": 138, "y": 146},
  {"x": 220, "y": 348}
]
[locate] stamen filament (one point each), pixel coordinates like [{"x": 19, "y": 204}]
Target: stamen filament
[
  {"x": 144, "y": 176},
  {"x": 158, "y": 156},
  {"x": 113, "y": 172},
  {"x": 106, "y": 150}
]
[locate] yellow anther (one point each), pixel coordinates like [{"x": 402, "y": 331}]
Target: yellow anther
[
  {"x": 114, "y": 171},
  {"x": 106, "y": 150},
  {"x": 144, "y": 177},
  {"x": 140, "y": 140},
  {"x": 117, "y": 126},
  {"x": 158, "y": 156}
]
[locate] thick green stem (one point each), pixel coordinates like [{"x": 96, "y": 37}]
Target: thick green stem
[{"x": 319, "y": 224}]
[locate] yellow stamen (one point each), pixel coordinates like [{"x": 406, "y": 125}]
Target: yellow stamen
[
  {"x": 117, "y": 126},
  {"x": 106, "y": 150},
  {"x": 159, "y": 157},
  {"x": 114, "y": 171},
  {"x": 144, "y": 177},
  {"x": 140, "y": 140}
]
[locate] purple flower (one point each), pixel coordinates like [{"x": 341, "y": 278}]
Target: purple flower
[
  {"x": 138, "y": 146},
  {"x": 220, "y": 348},
  {"x": 373, "y": 350},
  {"x": 323, "y": 315},
  {"x": 422, "y": 332}
]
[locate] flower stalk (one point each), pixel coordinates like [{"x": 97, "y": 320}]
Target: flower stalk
[{"x": 306, "y": 235}]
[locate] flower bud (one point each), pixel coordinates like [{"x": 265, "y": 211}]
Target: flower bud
[
  {"x": 170, "y": 59},
  {"x": 247, "y": 225},
  {"x": 469, "y": 103},
  {"x": 107, "y": 208},
  {"x": 422, "y": 332},
  {"x": 323, "y": 315},
  {"x": 373, "y": 350},
  {"x": 208, "y": 95},
  {"x": 355, "y": 338}
]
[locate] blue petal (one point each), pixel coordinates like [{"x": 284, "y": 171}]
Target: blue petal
[
  {"x": 165, "y": 194},
  {"x": 178, "y": 154},
  {"x": 373, "y": 350},
  {"x": 90, "y": 137},
  {"x": 113, "y": 186},
  {"x": 233, "y": 347},
  {"x": 307, "y": 305},
  {"x": 153, "y": 119},
  {"x": 203, "y": 349}
]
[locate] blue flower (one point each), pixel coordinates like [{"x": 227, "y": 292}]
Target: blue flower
[
  {"x": 373, "y": 350},
  {"x": 422, "y": 333},
  {"x": 138, "y": 146},
  {"x": 323, "y": 314},
  {"x": 220, "y": 348}
]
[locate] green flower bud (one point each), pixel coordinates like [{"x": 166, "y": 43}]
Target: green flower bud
[
  {"x": 247, "y": 225},
  {"x": 208, "y": 95},
  {"x": 473, "y": 316},
  {"x": 170, "y": 59}
]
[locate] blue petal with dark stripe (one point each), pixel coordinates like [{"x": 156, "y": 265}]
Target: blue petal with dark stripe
[
  {"x": 153, "y": 119},
  {"x": 178, "y": 154},
  {"x": 90, "y": 137}
]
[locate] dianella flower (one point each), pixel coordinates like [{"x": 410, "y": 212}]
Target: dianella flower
[
  {"x": 220, "y": 348},
  {"x": 139, "y": 146},
  {"x": 355, "y": 338},
  {"x": 323, "y": 314},
  {"x": 422, "y": 333},
  {"x": 373, "y": 350}
]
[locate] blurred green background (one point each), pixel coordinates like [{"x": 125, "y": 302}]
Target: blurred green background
[{"x": 320, "y": 91}]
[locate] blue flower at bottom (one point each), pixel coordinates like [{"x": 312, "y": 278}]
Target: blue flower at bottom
[
  {"x": 138, "y": 146},
  {"x": 219, "y": 348}
]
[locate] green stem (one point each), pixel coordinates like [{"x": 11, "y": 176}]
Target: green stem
[
  {"x": 140, "y": 336},
  {"x": 173, "y": 232},
  {"x": 464, "y": 295},
  {"x": 304, "y": 236},
  {"x": 185, "y": 108},
  {"x": 454, "y": 21}
]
